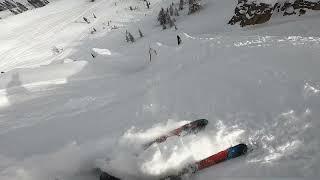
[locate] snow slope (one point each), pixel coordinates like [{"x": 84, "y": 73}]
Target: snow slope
[
  {"x": 71, "y": 113},
  {"x": 28, "y": 38}
]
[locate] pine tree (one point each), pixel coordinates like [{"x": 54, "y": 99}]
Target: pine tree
[
  {"x": 181, "y": 4},
  {"x": 148, "y": 4},
  {"x": 164, "y": 26},
  {"x": 176, "y": 12},
  {"x": 131, "y": 38},
  {"x": 167, "y": 15},
  {"x": 162, "y": 17},
  {"x": 171, "y": 10},
  {"x": 127, "y": 37},
  {"x": 171, "y": 22}
]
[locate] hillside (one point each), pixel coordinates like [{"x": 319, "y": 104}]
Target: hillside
[{"x": 76, "y": 96}]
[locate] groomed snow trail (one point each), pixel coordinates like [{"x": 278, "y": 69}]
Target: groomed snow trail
[{"x": 258, "y": 85}]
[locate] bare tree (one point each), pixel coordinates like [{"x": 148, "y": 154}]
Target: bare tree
[{"x": 151, "y": 51}]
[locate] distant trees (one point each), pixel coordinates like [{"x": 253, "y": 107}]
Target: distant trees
[
  {"x": 165, "y": 17},
  {"x": 162, "y": 17},
  {"x": 176, "y": 12},
  {"x": 9, "y": 5},
  {"x": 181, "y": 3},
  {"x": 171, "y": 10},
  {"x": 38, "y": 3},
  {"x": 22, "y": 7},
  {"x": 194, "y": 6},
  {"x": 129, "y": 37},
  {"x": 17, "y": 7},
  {"x": 147, "y": 4},
  {"x": 133, "y": 8}
]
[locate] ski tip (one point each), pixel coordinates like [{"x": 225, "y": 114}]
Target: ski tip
[
  {"x": 237, "y": 150},
  {"x": 172, "y": 178},
  {"x": 201, "y": 122},
  {"x": 106, "y": 176}
]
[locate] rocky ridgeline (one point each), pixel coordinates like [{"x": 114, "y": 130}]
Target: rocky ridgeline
[
  {"x": 251, "y": 12},
  {"x": 17, "y": 7}
]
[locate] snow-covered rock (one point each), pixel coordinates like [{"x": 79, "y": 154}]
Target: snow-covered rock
[{"x": 251, "y": 12}]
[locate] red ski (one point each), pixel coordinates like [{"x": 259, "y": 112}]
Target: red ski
[
  {"x": 227, "y": 154},
  {"x": 192, "y": 127}
]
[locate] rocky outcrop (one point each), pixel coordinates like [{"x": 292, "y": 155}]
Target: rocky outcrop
[{"x": 251, "y": 13}]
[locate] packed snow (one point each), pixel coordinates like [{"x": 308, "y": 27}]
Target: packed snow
[{"x": 74, "y": 100}]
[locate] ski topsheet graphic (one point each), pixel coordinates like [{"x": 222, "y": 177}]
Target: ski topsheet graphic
[{"x": 227, "y": 154}]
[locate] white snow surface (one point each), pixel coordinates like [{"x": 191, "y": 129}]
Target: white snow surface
[{"x": 64, "y": 113}]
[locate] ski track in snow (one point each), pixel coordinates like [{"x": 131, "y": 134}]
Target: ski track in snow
[{"x": 63, "y": 119}]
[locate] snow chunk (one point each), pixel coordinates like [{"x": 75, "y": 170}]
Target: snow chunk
[{"x": 103, "y": 52}]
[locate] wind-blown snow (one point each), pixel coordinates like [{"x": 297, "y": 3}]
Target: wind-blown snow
[{"x": 71, "y": 113}]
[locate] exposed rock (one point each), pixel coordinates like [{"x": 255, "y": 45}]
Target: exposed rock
[
  {"x": 302, "y": 12},
  {"x": 251, "y": 12}
]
